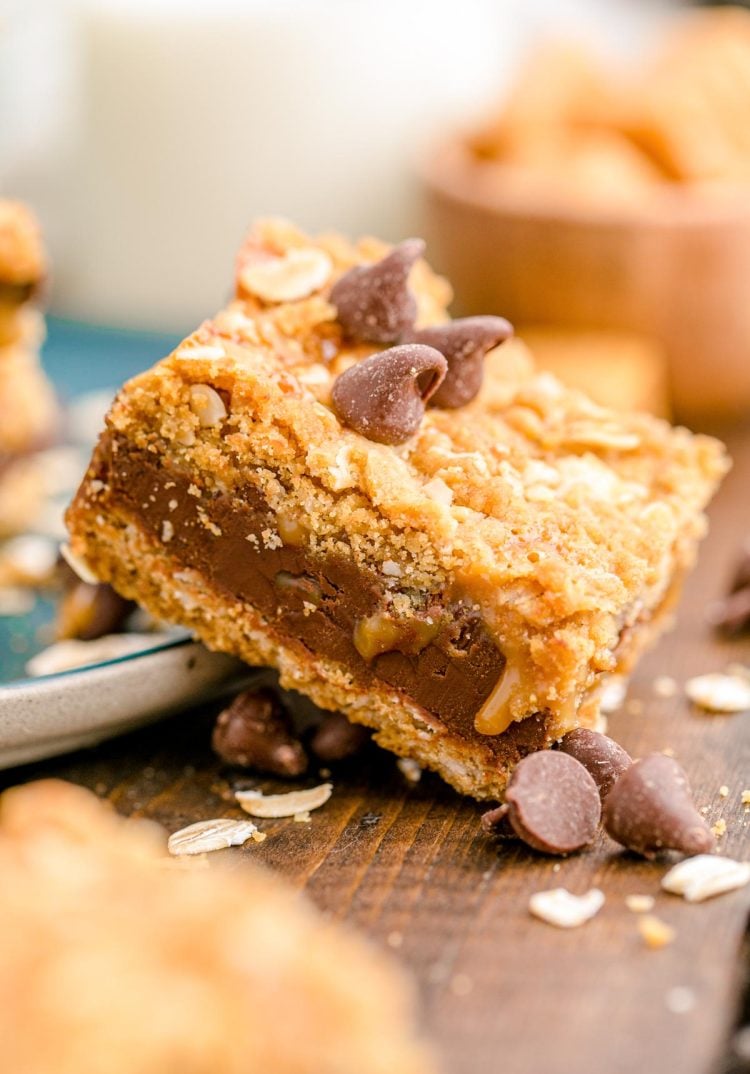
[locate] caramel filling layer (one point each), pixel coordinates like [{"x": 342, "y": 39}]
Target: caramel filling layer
[{"x": 442, "y": 657}]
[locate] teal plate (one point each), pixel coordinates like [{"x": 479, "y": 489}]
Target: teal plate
[
  {"x": 79, "y": 359},
  {"x": 58, "y": 712}
]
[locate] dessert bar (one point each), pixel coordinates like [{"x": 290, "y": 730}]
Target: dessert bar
[
  {"x": 27, "y": 405},
  {"x": 393, "y": 509}
]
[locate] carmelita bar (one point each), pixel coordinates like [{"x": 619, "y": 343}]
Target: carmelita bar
[{"x": 394, "y": 510}]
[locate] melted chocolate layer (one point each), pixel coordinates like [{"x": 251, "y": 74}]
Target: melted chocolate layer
[{"x": 313, "y": 599}]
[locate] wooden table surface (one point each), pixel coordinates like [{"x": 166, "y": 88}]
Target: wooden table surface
[{"x": 501, "y": 991}]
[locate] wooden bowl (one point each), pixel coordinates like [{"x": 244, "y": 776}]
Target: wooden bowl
[{"x": 676, "y": 267}]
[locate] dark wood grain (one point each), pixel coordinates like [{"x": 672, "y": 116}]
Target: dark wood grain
[{"x": 503, "y": 992}]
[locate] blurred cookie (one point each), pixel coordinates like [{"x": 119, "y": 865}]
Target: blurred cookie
[{"x": 114, "y": 963}]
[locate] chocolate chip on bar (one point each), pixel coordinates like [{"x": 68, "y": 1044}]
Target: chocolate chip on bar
[
  {"x": 384, "y": 397},
  {"x": 336, "y": 739},
  {"x": 650, "y": 808},
  {"x": 464, "y": 343},
  {"x": 373, "y": 302},
  {"x": 553, "y": 803},
  {"x": 601, "y": 756},
  {"x": 255, "y": 732}
]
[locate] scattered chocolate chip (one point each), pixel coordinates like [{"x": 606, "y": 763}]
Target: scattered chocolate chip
[
  {"x": 602, "y": 757},
  {"x": 495, "y": 822},
  {"x": 88, "y": 612},
  {"x": 464, "y": 343},
  {"x": 731, "y": 614},
  {"x": 650, "y": 809},
  {"x": 255, "y": 732},
  {"x": 384, "y": 397},
  {"x": 336, "y": 739},
  {"x": 373, "y": 302},
  {"x": 553, "y": 803}
]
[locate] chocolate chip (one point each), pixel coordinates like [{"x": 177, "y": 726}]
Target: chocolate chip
[
  {"x": 336, "y": 739},
  {"x": 384, "y": 397},
  {"x": 495, "y": 822},
  {"x": 373, "y": 302},
  {"x": 553, "y": 803},
  {"x": 464, "y": 343},
  {"x": 602, "y": 758},
  {"x": 89, "y": 611},
  {"x": 650, "y": 809},
  {"x": 731, "y": 615},
  {"x": 255, "y": 732}
]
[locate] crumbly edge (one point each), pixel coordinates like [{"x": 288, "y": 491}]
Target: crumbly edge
[{"x": 140, "y": 567}]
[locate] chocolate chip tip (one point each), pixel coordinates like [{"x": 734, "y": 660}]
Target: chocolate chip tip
[
  {"x": 494, "y": 821},
  {"x": 603, "y": 758},
  {"x": 409, "y": 250},
  {"x": 650, "y": 809},
  {"x": 464, "y": 342},
  {"x": 373, "y": 301}
]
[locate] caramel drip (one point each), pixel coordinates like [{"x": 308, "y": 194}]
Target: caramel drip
[{"x": 495, "y": 715}]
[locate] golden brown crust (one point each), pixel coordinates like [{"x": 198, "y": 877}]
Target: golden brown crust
[
  {"x": 114, "y": 963},
  {"x": 563, "y": 522}
]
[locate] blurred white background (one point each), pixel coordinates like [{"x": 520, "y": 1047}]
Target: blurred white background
[{"x": 148, "y": 133}]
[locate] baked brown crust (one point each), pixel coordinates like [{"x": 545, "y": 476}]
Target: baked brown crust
[
  {"x": 564, "y": 525},
  {"x": 113, "y": 961}
]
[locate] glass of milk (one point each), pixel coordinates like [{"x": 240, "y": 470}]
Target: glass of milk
[{"x": 184, "y": 119}]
